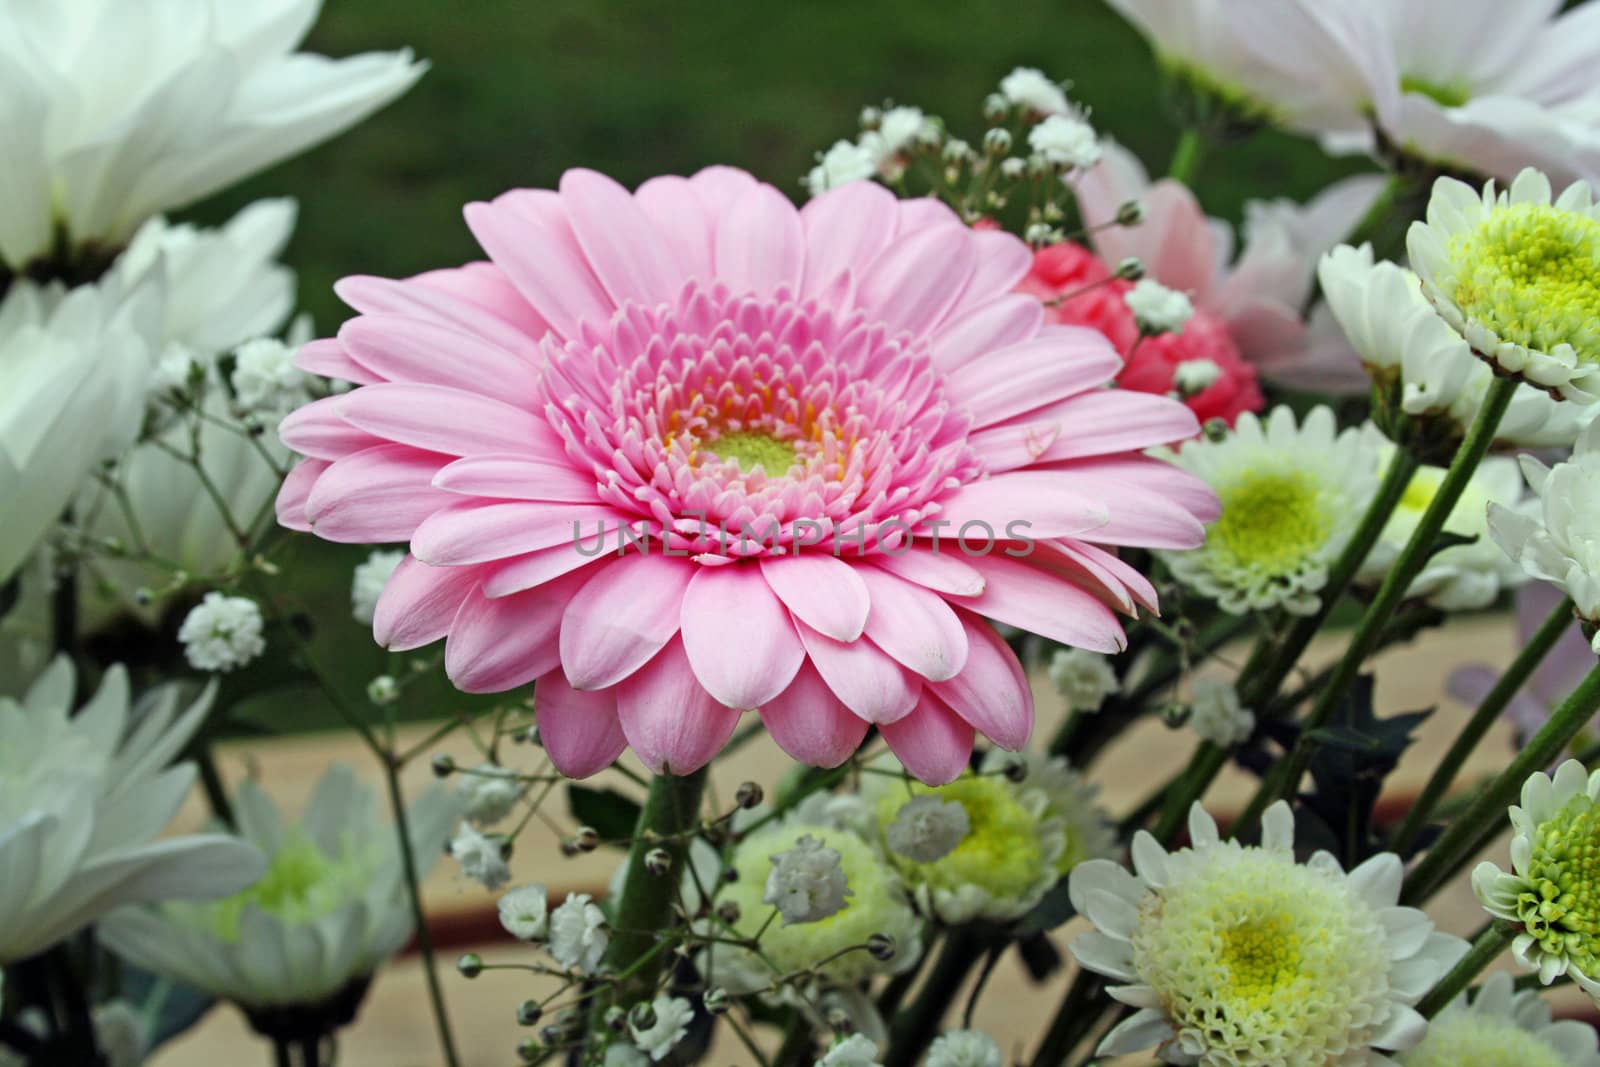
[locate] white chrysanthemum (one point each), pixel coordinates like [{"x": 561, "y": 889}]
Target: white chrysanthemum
[
  {"x": 1070, "y": 799},
  {"x": 1518, "y": 276},
  {"x": 1462, "y": 577},
  {"x": 964, "y": 1048},
  {"x": 222, "y": 632},
  {"x": 857, "y": 1050},
  {"x": 1003, "y": 866},
  {"x": 672, "y": 1018},
  {"x": 1238, "y": 956},
  {"x": 83, "y": 796},
  {"x": 1553, "y": 888},
  {"x": 488, "y": 792},
  {"x": 1216, "y": 714},
  {"x": 524, "y": 912},
  {"x": 1398, "y": 334},
  {"x": 1503, "y": 1028},
  {"x": 96, "y": 142},
  {"x": 877, "y": 905},
  {"x": 1029, "y": 88},
  {"x": 807, "y": 882},
  {"x": 1158, "y": 309},
  {"x": 1558, "y": 541},
  {"x": 265, "y": 380},
  {"x": 1065, "y": 141},
  {"x": 842, "y": 164},
  {"x": 1291, "y": 496},
  {"x": 482, "y": 856},
  {"x": 579, "y": 936},
  {"x": 1085, "y": 678},
  {"x": 927, "y": 828},
  {"x": 367, "y": 583},
  {"x": 331, "y": 909}
]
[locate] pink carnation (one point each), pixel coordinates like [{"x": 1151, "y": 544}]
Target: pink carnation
[{"x": 699, "y": 356}]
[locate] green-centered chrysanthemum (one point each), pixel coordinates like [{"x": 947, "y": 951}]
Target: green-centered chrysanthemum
[
  {"x": 1290, "y": 495},
  {"x": 1069, "y": 797},
  {"x": 1519, "y": 277},
  {"x": 303, "y": 884},
  {"x": 1500, "y": 1027},
  {"x": 1553, "y": 890}
]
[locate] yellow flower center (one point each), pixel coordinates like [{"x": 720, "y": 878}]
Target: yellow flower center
[
  {"x": 1531, "y": 274},
  {"x": 750, "y": 450},
  {"x": 1446, "y": 95},
  {"x": 1000, "y": 854},
  {"x": 1562, "y": 909},
  {"x": 1467, "y": 1037},
  {"x": 1260, "y": 957},
  {"x": 1271, "y": 521}
]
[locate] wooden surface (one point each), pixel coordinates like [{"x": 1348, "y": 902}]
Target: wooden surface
[{"x": 395, "y": 1029}]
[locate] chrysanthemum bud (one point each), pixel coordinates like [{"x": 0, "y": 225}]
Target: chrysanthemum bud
[
  {"x": 749, "y": 795},
  {"x": 470, "y": 965},
  {"x": 658, "y": 861},
  {"x": 528, "y": 1013},
  {"x": 881, "y": 947}
]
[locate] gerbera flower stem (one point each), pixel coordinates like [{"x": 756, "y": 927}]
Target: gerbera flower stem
[
  {"x": 1476, "y": 826},
  {"x": 1286, "y": 774},
  {"x": 1489, "y": 943},
  {"x": 1527, "y": 661}
]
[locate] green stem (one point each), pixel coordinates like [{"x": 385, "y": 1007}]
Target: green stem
[
  {"x": 408, "y": 863},
  {"x": 1485, "y": 818},
  {"x": 211, "y": 782},
  {"x": 671, "y": 812},
  {"x": 1286, "y": 773},
  {"x": 1378, "y": 215},
  {"x": 1532, "y": 654},
  {"x": 915, "y": 1028},
  {"x": 1485, "y": 947},
  {"x": 1186, "y": 156},
  {"x": 1204, "y": 766}
]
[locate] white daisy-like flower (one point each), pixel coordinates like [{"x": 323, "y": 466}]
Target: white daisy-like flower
[
  {"x": 842, "y": 164},
  {"x": 878, "y": 904},
  {"x": 1558, "y": 540},
  {"x": 330, "y": 910},
  {"x": 857, "y": 1050},
  {"x": 1291, "y": 496},
  {"x": 368, "y": 580},
  {"x": 1066, "y": 141},
  {"x": 1216, "y": 714},
  {"x": 1462, "y": 577},
  {"x": 1070, "y": 799},
  {"x": 1237, "y": 956},
  {"x": 927, "y": 828},
  {"x": 578, "y": 933},
  {"x": 525, "y": 912},
  {"x": 1002, "y": 867},
  {"x": 1500, "y": 1027},
  {"x": 222, "y": 633},
  {"x": 807, "y": 883},
  {"x": 1194, "y": 376},
  {"x": 1401, "y": 338},
  {"x": 482, "y": 856},
  {"x": 1030, "y": 89},
  {"x": 84, "y": 793},
  {"x": 672, "y": 1018},
  {"x": 488, "y": 792},
  {"x": 1158, "y": 309},
  {"x": 265, "y": 379},
  {"x": 1085, "y": 678},
  {"x": 1517, "y": 274},
  {"x": 964, "y": 1048},
  {"x": 1553, "y": 888}
]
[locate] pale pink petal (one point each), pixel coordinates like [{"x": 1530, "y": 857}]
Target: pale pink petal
[
  {"x": 532, "y": 241},
  {"x": 1041, "y": 503},
  {"x": 473, "y": 532},
  {"x": 938, "y": 567},
  {"x": 376, "y": 496},
  {"x": 580, "y": 732},
  {"x": 444, "y": 420},
  {"x": 419, "y": 602},
  {"x": 1116, "y": 584},
  {"x": 622, "y": 245},
  {"x": 867, "y": 679},
  {"x": 318, "y": 430},
  {"x": 822, "y": 591},
  {"x": 1001, "y": 322},
  {"x": 845, "y": 228},
  {"x": 674, "y": 725},
  {"x": 403, "y": 349},
  {"x": 682, "y": 220},
  {"x": 1096, "y": 423},
  {"x": 1003, "y": 261},
  {"x": 932, "y": 742},
  {"x": 327, "y": 357},
  {"x": 518, "y": 477},
  {"x": 811, "y": 724},
  {"x": 504, "y": 577},
  {"x": 500, "y": 643},
  {"x": 991, "y": 692},
  {"x": 622, "y": 618},
  {"x": 914, "y": 625},
  {"x": 925, "y": 212},
  {"x": 719, "y": 186},
  {"x": 1058, "y": 363},
  {"x": 760, "y": 246},
  {"x": 431, "y": 298},
  {"x": 291, "y": 502},
  {"x": 919, "y": 278},
  {"x": 1145, "y": 474},
  {"x": 738, "y": 636},
  {"x": 1031, "y": 599}
]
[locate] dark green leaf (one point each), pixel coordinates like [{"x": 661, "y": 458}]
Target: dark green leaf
[
  {"x": 613, "y": 815},
  {"x": 1055, "y": 909}
]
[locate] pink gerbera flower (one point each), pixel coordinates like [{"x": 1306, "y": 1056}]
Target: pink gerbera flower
[{"x": 793, "y": 414}]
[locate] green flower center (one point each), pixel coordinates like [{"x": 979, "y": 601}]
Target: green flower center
[
  {"x": 1466, "y": 1037},
  {"x": 1272, "y": 521},
  {"x": 1260, "y": 958},
  {"x": 302, "y": 885},
  {"x": 1000, "y": 854},
  {"x": 750, "y": 450},
  {"x": 1531, "y": 274},
  {"x": 1454, "y": 94},
  {"x": 1562, "y": 909}
]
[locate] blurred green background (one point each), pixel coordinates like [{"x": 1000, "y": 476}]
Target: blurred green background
[{"x": 520, "y": 91}]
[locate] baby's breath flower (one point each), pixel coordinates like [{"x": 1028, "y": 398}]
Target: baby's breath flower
[
  {"x": 845, "y": 162},
  {"x": 1085, "y": 678},
  {"x": 1237, "y": 956},
  {"x": 1291, "y": 496},
  {"x": 524, "y": 912},
  {"x": 1518, "y": 276},
  {"x": 1217, "y": 716},
  {"x": 807, "y": 882},
  {"x": 1065, "y": 141},
  {"x": 857, "y": 1050},
  {"x": 265, "y": 378},
  {"x": 964, "y": 1048},
  {"x": 1158, "y": 309},
  {"x": 481, "y": 856},
  {"x": 1194, "y": 376},
  {"x": 383, "y": 690},
  {"x": 578, "y": 934},
  {"x": 367, "y": 583},
  {"x": 672, "y": 1016},
  {"x": 1030, "y": 89},
  {"x": 488, "y": 792},
  {"x": 927, "y": 828},
  {"x": 221, "y": 633},
  {"x": 622, "y": 1054},
  {"x": 1503, "y": 1028}
]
